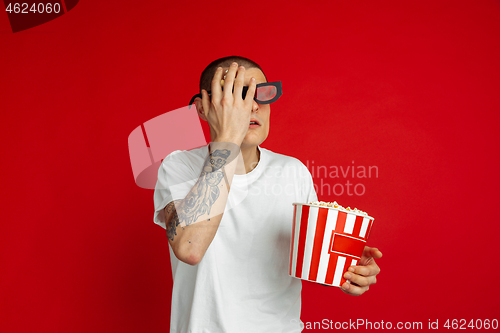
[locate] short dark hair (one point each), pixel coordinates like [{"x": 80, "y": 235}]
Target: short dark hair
[{"x": 209, "y": 72}]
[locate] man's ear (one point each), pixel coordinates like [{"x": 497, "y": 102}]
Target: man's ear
[{"x": 199, "y": 108}]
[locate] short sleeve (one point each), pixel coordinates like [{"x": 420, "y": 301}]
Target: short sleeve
[{"x": 176, "y": 178}]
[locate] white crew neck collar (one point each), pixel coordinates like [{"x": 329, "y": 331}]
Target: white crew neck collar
[{"x": 258, "y": 168}]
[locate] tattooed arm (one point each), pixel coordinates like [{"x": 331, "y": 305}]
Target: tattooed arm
[{"x": 193, "y": 222}]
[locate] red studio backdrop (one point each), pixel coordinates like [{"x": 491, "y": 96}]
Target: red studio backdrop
[{"x": 405, "y": 89}]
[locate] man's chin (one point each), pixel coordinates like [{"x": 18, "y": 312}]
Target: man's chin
[
  {"x": 250, "y": 143},
  {"x": 252, "y": 140}
]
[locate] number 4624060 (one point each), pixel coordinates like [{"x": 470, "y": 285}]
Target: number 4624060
[
  {"x": 473, "y": 324},
  {"x": 24, "y": 8}
]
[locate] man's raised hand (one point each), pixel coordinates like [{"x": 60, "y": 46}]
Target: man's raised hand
[{"x": 227, "y": 113}]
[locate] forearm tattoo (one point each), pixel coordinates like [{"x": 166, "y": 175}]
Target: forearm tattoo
[
  {"x": 203, "y": 196},
  {"x": 174, "y": 221}
]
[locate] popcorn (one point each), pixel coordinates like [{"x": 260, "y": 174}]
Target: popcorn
[{"x": 336, "y": 205}]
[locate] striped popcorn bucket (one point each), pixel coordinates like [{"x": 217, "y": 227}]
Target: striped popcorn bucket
[{"x": 325, "y": 242}]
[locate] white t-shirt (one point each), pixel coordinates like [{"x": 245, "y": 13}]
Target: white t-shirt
[{"x": 242, "y": 283}]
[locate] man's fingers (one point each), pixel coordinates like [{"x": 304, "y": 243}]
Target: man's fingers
[
  {"x": 205, "y": 101},
  {"x": 251, "y": 92},
  {"x": 238, "y": 83},
  {"x": 376, "y": 253},
  {"x": 364, "y": 270},
  {"x": 364, "y": 275},
  {"x": 216, "y": 90},
  {"x": 372, "y": 252},
  {"x": 353, "y": 290},
  {"x": 360, "y": 280},
  {"x": 229, "y": 81},
  {"x": 368, "y": 256}
]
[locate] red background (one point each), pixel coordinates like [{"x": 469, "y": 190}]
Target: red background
[{"x": 408, "y": 86}]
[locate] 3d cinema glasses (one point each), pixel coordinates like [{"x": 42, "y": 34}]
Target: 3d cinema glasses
[{"x": 265, "y": 93}]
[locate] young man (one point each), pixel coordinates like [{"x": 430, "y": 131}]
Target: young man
[{"x": 227, "y": 208}]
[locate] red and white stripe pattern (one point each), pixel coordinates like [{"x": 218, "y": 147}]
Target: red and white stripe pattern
[{"x": 325, "y": 242}]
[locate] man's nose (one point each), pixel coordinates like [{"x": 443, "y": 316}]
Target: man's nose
[{"x": 255, "y": 106}]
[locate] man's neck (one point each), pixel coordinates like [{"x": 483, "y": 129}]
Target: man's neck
[{"x": 251, "y": 157}]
